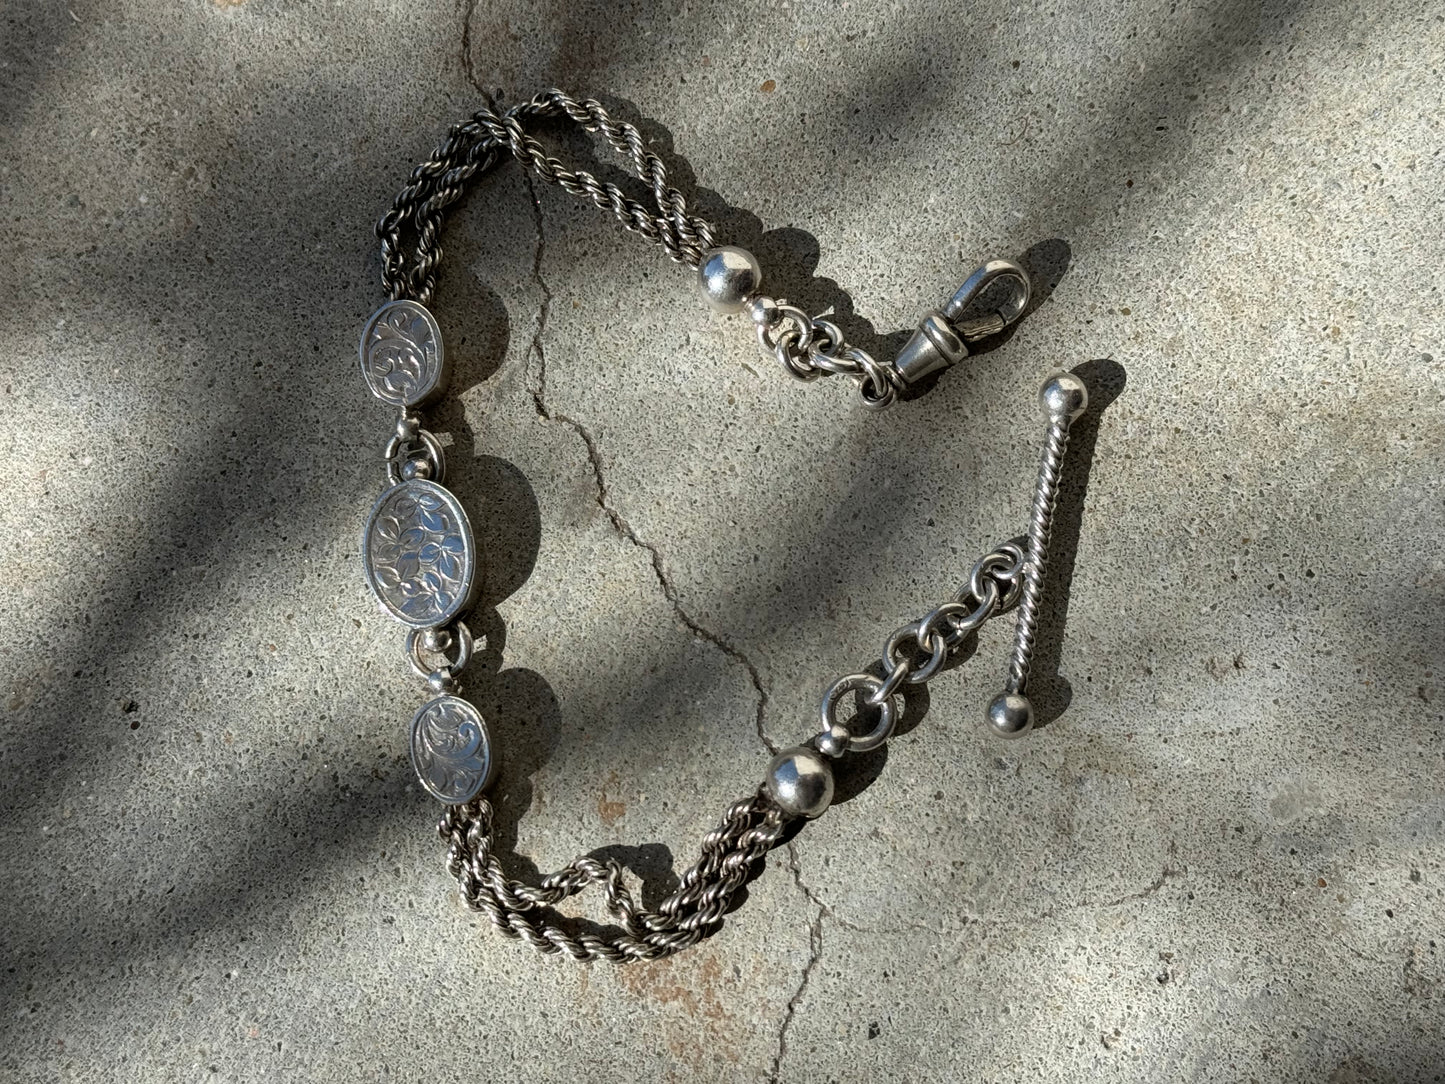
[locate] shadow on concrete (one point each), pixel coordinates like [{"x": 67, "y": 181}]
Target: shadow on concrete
[{"x": 198, "y": 527}]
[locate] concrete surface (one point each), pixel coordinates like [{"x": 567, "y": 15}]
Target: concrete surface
[{"x": 1222, "y": 861}]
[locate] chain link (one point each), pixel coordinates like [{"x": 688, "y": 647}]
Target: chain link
[
  {"x": 749, "y": 829},
  {"x": 915, "y": 652},
  {"x": 476, "y": 145},
  {"x": 808, "y": 347},
  {"x": 438, "y": 642}
]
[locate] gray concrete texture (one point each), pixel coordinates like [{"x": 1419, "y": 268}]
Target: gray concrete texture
[{"x": 1223, "y": 860}]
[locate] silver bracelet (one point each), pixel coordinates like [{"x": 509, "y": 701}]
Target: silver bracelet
[{"x": 420, "y": 556}]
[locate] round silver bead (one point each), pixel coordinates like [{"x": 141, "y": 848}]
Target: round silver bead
[
  {"x": 800, "y": 781},
  {"x": 834, "y": 741},
  {"x": 761, "y": 310},
  {"x": 729, "y": 276},
  {"x": 441, "y": 681},
  {"x": 1064, "y": 397},
  {"x": 414, "y": 469},
  {"x": 1010, "y": 715}
]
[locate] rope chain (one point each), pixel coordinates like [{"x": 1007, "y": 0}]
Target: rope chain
[
  {"x": 474, "y": 146},
  {"x": 749, "y": 829}
]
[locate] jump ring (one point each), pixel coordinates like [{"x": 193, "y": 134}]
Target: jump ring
[
  {"x": 433, "y": 451},
  {"x": 415, "y": 641},
  {"x": 887, "y": 711},
  {"x": 973, "y": 619},
  {"x": 890, "y": 685},
  {"x": 941, "y": 622},
  {"x": 1005, "y": 567}
]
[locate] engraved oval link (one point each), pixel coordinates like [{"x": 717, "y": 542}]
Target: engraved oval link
[{"x": 419, "y": 554}]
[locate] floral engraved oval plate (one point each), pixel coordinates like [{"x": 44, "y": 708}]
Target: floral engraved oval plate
[
  {"x": 401, "y": 354},
  {"x": 451, "y": 750},
  {"x": 419, "y": 555}
]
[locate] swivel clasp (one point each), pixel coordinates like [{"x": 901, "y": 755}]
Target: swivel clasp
[{"x": 943, "y": 336}]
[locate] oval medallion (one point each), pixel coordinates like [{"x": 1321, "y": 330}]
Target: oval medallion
[
  {"x": 419, "y": 555},
  {"x": 401, "y": 354},
  {"x": 451, "y": 750}
]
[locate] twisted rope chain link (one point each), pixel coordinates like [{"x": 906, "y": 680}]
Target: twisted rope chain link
[
  {"x": 748, "y": 830},
  {"x": 1041, "y": 518},
  {"x": 475, "y": 145}
]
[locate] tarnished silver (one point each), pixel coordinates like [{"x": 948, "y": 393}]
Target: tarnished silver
[
  {"x": 476, "y": 145},
  {"x": 421, "y": 562},
  {"x": 942, "y": 338},
  {"x": 401, "y": 354},
  {"x": 419, "y": 556},
  {"x": 1063, "y": 398},
  {"x": 749, "y": 829},
  {"x": 451, "y": 750},
  {"x": 806, "y": 347}
]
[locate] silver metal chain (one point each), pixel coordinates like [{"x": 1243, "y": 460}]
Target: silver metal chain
[
  {"x": 805, "y": 347},
  {"x": 749, "y": 829},
  {"x": 808, "y": 347},
  {"x": 916, "y": 652},
  {"x": 474, "y": 146},
  {"x": 421, "y": 561}
]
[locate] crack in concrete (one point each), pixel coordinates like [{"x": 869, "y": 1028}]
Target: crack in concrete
[
  {"x": 815, "y": 944},
  {"x": 603, "y": 495},
  {"x": 626, "y": 531},
  {"x": 469, "y": 8},
  {"x": 817, "y": 901},
  {"x": 1144, "y": 893},
  {"x": 594, "y": 454}
]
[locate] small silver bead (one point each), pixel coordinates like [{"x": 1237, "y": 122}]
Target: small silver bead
[
  {"x": 729, "y": 276},
  {"x": 761, "y": 310},
  {"x": 436, "y": 639},
  {"x": 441, "y": 681},
  {"x": 1010, "y": 715},
  {"x": 413, "y": 469},
  {"x": 834, "y": 741},
  {"x": 1064, "y": 397},
  {"x": 407, "y": 427},
  {"x": 800, "y": 781}
]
